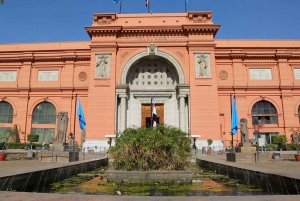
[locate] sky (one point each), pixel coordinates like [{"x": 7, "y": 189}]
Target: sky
[{"x": 64, "y": 20}]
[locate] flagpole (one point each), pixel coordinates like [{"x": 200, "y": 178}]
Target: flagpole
[
  {"x": 75, "y": 118},
  {"x": 120, "y": 7},
  {"x": 232, "y": 146},
  {"x": 149, "y": 6},
  {"x": 185, "y": 5},
  {"x": 151, "y": 113}
]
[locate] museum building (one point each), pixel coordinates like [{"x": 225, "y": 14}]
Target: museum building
[{"x": 171, "y": 59}]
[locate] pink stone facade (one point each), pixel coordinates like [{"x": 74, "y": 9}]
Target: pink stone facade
[{"x": 253, "y": 70}]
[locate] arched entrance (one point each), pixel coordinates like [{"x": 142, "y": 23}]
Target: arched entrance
[{"x": 160, "y": 78}]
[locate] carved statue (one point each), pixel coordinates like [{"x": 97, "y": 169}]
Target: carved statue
[
  {"x": 152, "y": 49},
  {"x": 202, "y": 66},
  {"x": 244, "y": 130},
  {"x": 62, "y": 126},
  {"x": 295, "y": 138},
  {"x": 101, "y": 67}
]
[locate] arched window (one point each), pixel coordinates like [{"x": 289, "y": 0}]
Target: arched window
[
  {"x": 6, "y": 112},
  {"x": 264, "y": 112},
  {"x": 44, "y": 113}
]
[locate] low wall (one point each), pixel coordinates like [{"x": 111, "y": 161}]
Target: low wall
[
  {"x": 275, "y": 184},
  {"x": 36, "y": 180},
  {"x": 257, "y": 157},
  {"x": 183, "y": 176}
]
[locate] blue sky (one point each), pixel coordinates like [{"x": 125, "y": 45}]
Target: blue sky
[{"x": 64, "y": 20}]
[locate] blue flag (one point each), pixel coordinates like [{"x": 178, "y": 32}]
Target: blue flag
[
  {"x": 81, "y": 118},
  {"x": 234, "y": 116},
  {"x": 116, "y": 1},
  {"x": 186, "y": 1}
]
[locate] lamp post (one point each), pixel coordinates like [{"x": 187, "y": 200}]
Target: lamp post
[
  {"x": 232, "y": 146},
  {"x": 194, "y": 137}
]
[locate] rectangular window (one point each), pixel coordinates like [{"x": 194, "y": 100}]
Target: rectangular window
[{"x": 45, "y": 134}]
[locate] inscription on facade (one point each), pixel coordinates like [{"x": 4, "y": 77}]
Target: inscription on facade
[
  {"x": 48, "y": 76},
  {"x": 8, "y": 76},
  {"x": 297, "y": 73},
  {"x": 151, "y": 38},
  {"x": 260, "y": 74}
]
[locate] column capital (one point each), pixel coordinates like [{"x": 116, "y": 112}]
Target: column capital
[
  {"x": 123, "y": 96},
  {"x": 181, "y": 95}
]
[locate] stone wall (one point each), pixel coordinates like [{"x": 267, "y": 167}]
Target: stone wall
[
  {"x": 37, "y": 179},
  {"x": 256, "y": 178}
]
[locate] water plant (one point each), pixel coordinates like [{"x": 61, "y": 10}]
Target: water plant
[{"x": 159, "y": 148}]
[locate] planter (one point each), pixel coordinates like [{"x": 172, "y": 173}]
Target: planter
[
  {"x": 208, "y": 152},
  {"x": 297, "y": 157},
  {"x": 2, "y": 156}
]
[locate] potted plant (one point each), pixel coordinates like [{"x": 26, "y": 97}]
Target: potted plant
[
  {"x": 295, "y": 139},
  {"x": 4, "y": 136},
  {"x": 209, "y": 142},
  {"x": 32, "y": 138}
]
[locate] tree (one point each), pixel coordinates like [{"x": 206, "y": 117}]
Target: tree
[{"x": 1, "y": 1}]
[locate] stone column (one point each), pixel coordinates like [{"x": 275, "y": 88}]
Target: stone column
[
  {"x": 123, "y": 112},
  {"x": 182, "y": 112}
]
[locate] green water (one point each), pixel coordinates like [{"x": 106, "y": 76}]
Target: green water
[{"x": 207, "y": 184}]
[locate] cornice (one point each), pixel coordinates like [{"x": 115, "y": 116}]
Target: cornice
[{"x": 45, "y": 58}]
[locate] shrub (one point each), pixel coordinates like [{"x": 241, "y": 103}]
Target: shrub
[
  {"x": 160, "y": 148},
  {"x": 33, "y": 138}
]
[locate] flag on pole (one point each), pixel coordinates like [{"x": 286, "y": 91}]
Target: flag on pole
[
  {"x": 186, "y": 1},
  {"x": 116, "y": 1},
  {"x": 234, "y": 116},
  {"x": 81, "y": 118},
  {"x": 147, "y": 2},
  {"x": 154, "y": 116}
]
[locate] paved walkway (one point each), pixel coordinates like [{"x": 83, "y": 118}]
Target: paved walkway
[
  {"x": 12, "y": 196},
  {"x": 8, "y": 168},
  {"x": 283, "y": 168}
]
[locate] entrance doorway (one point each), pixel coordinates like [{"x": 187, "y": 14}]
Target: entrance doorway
[{"x": 147, "y": 113}]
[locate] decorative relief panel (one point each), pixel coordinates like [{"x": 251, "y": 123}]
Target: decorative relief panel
[
  {"x": 102, "y": 66},
  {"x": 152, "y": 75},
  {"x": 8, "y": 76},
  {"x": 223, "y": 75},
  {"x": 82, "y": 76},
  {"x": 48, "y": 76},
  {"x": 202, "y": 65},
  {"x": 297, "y": 73},
  {"x": 260, "y": 74},
  {"x": 203, "y": 17}
]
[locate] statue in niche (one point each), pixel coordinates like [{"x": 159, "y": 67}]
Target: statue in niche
[
  {"x": 62, "y": 126},
  {"x": 244, "y": 130},
  {"x": 101, "y": 67},
  {"x": 202, "y": 66}
]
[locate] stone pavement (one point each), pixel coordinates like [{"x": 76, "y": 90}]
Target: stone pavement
[
  {"x": 283, "y": 168},
  {"x": 13, "y": 196},
  {"x": 14, "y": 167}
]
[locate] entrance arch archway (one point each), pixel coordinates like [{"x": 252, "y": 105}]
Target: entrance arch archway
[
  {"x": 146, "y": 78},
  {"x": 159, "y": 53}
]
